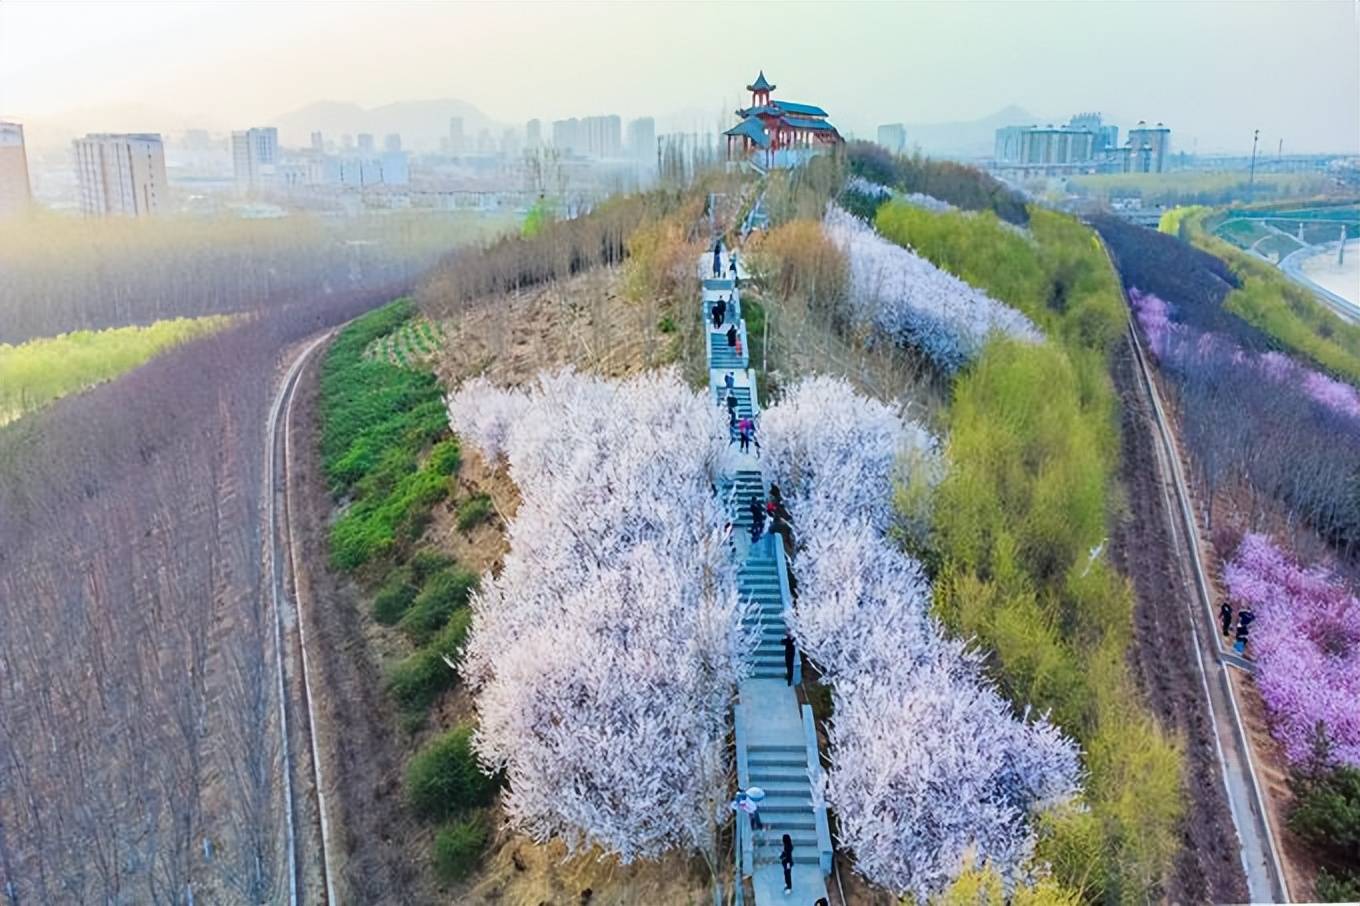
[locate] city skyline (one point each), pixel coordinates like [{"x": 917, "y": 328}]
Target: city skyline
[{"x": 1024, "y": 54}]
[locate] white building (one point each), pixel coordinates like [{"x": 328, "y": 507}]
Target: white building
[
  {"x": 121, "y": 174},
  {"x": 254, "y": 154},
  {"x": 642, "y": 138},
  {"x": 15, "y": 191},
  {"x": 893, "y": 136}
]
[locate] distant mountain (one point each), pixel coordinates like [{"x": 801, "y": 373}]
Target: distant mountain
[
  {"x": 421, "y": 124},
  {"x": 968, "y": 138}
]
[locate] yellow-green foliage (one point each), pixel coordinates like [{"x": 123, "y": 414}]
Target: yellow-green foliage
[
  {"x": 1171, "y": 221},
  {"x": 982, "y": 886},
  {"x": 1056, "y": 273},
  {"x": 1270, "y": 302},
  {"x": 661, "y": 256},
  {"x": 35, "y": 373},
  {"x": 1033, "y": 447},
  {"x": 796, "y": 260}
]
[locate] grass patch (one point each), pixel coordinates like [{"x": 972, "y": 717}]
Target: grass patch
[
  {"x": 38, "y": 372},
  {"x": 474, "y": 511},
  {"x": 442, "y": 594},
  {"x": 458, "y": 847},
  {"x": 443, "y": 779}
]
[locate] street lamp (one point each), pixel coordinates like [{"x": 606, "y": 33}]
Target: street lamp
[{"x": 1251, "y": 178}]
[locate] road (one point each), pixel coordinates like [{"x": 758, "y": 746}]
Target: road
[
  {"x": 1292, "y": 265},
  {"x": 1259, "y": 850},
  {"x": 308, "y": 839}
]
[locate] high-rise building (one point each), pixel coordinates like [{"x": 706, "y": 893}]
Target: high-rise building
[
  {"x": 603, "y": 135},
  {"x": 456, "y": 145},
  {"x": 15, "y": 194},
  {"x": 510, "y": 143},
  {"x": 893, "y": 136},
  {"x": 1008, "y": 142},
  {"x": 318, "y": 142},
  {"x": 567, "y": 137},
  {"x": 366, "y": 142},
  {"x": 533, "y": 134},
  {"x": 254, "y": 152},
  {"x": 121, "y": 173},
  {"x": 1107, "y": 139},
  {"x": 1148, "y": 147},
  {"x": 392, "y": 143},
  {"x": 642, "y": 138}
]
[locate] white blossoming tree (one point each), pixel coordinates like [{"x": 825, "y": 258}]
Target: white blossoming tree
[
  {"x": 605, "y": 655},
  {"x": 928, "y": 763},
  {"x": 914, "y": 302}
]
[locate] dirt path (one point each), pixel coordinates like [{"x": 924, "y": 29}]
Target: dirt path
[
  {"x": 1209, "y": 868},
  {"x": 365, "y": 749}
]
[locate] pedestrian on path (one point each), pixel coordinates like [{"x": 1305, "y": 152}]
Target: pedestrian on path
[
  {"x": 1245, "y": 618},
  {"x": 745, "y": 804},
  {"x": 731, "y": 406},
  {"x": 721, "y": 313},
  {"x": 744, "y": 431},
  {"x": 732, "y": 338},
  {"x": 1225, "y": 617},
  {"x": 789, "y": 655},
  {"x": 737, "y": 345},
  {"x": 821, "y": 901},
  {"x": 786, "y": 862},
  {"x": 729, "y": 381},
  {"x": 715, "y": 314},
  {"x": 757, "y": 520},
  {"x": 717, "y": 258}
]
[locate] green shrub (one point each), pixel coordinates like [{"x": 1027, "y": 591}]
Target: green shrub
[
  {"x": 426, "y": 562},
  {"x": 458, "y": 847},
  {"x": 443, "y": 778},
  {"x": 1327, "y": 811},
  {"x": 473, "y": 511},
  {"x": 1342, "y": 887},
  {"x": 416, "y": 680},
  {"x": 819, "y": 697},
  {"x": 446, "y": 457},
  {"x": 395, "y": 596},
  {"x": 666, "y": 324},
  {"x": 442, "y": 594}
]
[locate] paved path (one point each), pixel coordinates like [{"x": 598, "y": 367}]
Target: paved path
[{"x": 776, "y": 742}]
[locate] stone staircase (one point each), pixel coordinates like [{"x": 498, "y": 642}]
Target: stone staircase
[{"x": 776, "y": 740}]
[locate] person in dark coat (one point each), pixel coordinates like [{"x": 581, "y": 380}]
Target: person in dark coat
[
  {"x": 786, "y": 862},
  {"x": 729, "y": 381},
  {"x": 1225, "y": 617},
  {"x": 731, "y": 406},
  {"x": 789, "y": 655},
  {"x": 1245, "y": 617},
  {"x": 722, "y": 312},
  {"x": 732, "y": 337},
  {"x": 715, "y": 314},
  {"x": 717, "y": 258},
  {"x": 757, "y": 519}
]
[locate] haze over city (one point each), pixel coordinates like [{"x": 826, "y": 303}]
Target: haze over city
[{"x": 1212, "y": 71}]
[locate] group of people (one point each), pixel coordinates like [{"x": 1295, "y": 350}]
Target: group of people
[
  {"x": 747, "y": 802},
  {"x": 1245, "y": 617},
  {"x": 743, "y": 430},
  {"x": 731, "y": 263}
]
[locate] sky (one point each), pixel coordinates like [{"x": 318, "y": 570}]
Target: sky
[{"x": 1212, "y": 70}]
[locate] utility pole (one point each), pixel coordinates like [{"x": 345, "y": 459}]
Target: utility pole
[{"x": 1251, "y": 179}]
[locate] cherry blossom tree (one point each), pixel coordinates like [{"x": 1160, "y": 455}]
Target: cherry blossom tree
[
  {"x": 928, "y": 763},
  {"x": 1306, "y": 639},
  {"x": 916, "y": 303},
  {"x": 605, "y": 655}
]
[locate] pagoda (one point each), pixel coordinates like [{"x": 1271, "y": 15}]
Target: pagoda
[{"x": 777, "y": 133}]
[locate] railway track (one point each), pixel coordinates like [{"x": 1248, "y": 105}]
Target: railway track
[
  {"x": 308, "y": 842},
  {"x": 1260, "y": 851}
]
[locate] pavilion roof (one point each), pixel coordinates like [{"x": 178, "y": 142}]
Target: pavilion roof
[
  {"x": 801, "y": 109},
  {"x": 760, "y": 84},
  {"x": 801, "y": 122},
  {"x": 752, "y": 129}
]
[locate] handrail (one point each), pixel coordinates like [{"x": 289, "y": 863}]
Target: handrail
[
  {"x": 786, "y": 598},
  {"x": 824, "y": 851},
  {"x": 745, "y": 843}
]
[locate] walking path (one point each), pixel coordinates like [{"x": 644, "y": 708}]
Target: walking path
[{"x": 776, "y": 739}]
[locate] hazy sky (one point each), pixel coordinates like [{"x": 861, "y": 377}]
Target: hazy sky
[{"x": 1212, "y": 70}]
